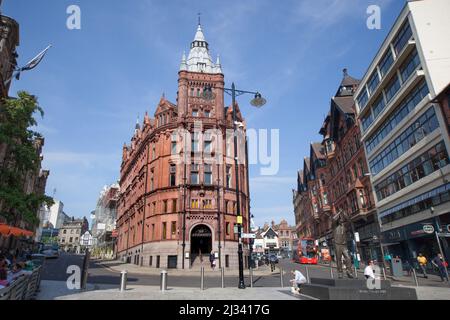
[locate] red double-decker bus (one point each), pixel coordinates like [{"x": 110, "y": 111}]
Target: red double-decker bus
[{"x": 306, "y": 252}]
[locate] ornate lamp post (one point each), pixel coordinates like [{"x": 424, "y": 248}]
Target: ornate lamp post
[{"x": 257, "y": 102}]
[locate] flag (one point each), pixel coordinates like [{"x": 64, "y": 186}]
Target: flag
[{"x": 32, "y": 63}]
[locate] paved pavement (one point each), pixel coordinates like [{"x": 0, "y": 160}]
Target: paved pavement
[
  {"x": 105, "y": 276},
  {"x": 57, "y": 290}
]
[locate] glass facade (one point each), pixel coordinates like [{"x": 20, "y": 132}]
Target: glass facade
[
  {"x": 362, "y": 99},
  {"x": 373, "y": 82},
  {"x": 411, "y": 64},
  {"x": 418, "y": 204},
  {"x": 386, "y": 63},
  {"x": 404, "y": 108},
  {"x": 378, "y": 106},
  {"x": 426, "y": 124},
  {"x": 402, "y": 38},
  {"x": 392, "y": 88},
  {"x": 422, "y": 166}
]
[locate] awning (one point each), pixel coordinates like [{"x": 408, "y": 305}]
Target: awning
[{"x": 7, "y": 230}]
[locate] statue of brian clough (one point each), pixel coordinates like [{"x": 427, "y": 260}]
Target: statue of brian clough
[{"x": 340, "y": 244}]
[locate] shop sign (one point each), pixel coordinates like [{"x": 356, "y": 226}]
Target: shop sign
[{"x": 428, "y": 228}]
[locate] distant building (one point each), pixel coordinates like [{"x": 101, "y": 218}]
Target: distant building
[
  {"x": 51, "y": 218},
  {"x": 104, "y": 220},
  {"x": 286, "y": 237},
  {"x": 70, "y": 234},
  {"x": 87, "y": 241}
]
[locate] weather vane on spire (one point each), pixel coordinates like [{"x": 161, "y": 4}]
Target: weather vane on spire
[{"x": 199, "y": 18}]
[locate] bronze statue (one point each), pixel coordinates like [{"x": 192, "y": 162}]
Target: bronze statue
[{"x": 340, "y": 244}]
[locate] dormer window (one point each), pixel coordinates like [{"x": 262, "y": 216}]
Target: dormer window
[
  {"x": 195, "y": 113},
  {"x": 207, "y": 113}
]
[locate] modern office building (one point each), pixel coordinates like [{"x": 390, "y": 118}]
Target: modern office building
[{"x": 404, "y": 130}]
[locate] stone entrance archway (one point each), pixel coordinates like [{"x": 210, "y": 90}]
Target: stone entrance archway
[{"x": 201, "y": 241}]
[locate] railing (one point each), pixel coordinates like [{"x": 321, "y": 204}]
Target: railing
[{"x": 24, "y": 288}]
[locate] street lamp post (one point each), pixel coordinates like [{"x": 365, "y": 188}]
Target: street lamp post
[{"x": 258, "y": 101}]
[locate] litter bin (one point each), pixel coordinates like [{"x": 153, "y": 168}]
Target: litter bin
[{"x": 396, "y": 267}]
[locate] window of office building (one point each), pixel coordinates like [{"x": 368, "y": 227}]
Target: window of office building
[
  {"x": 378, "y": 106},
  {"x": 409, "y": 66},
  {"x": 366, "y": 121},
  {"x": 165, "y": 206},
  {"x": 194, "y": 174},
  {"x": 402, "y": 37},
  {"x": 422, "y": 166},
  {"x": 228, "y": 177},
  {"x": 392, "y": 88},
  {"x": 164, "y": 230},
  {"x": 194, "y": 143},
  {"x": 174, "y": 205},
  {"x": 373, "y": 82},
  {"x": 228, "y": 228},
  {"x": 208, "y": 174},
  {"x": 423, "y": 126},
  {"x": 432, "y": 199},
  {"x": 404, "y": 108},
  {"x": 362, "y": 99},
  {"x": 173, "y": 174},
  {"x": 386, "y": 63},
  {"x": 173, "y": 146},
  {"x": 173, "y": 228}
]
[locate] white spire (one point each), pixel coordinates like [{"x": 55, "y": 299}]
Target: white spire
[
  {"x": 199, "y": 59},
  {"x": 199, "y": 36}
]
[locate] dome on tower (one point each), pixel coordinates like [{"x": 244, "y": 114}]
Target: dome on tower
[{"x": 199, "y": 58}]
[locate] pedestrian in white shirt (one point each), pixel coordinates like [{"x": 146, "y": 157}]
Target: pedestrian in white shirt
[
  {"x": 368, "y": 271},
  {"x": 298, "y": 280}
]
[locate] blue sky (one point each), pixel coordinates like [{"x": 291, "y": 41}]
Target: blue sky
[{"x": 94, "y": 82}]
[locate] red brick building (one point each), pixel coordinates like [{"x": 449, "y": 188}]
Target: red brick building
[
  {"x": 349, "y": 185},
  {"x": 178, "y": 197},
  {"x": 334, "y": 178}
]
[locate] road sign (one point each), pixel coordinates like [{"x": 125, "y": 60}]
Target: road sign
[{"x": 249, "y": 236}]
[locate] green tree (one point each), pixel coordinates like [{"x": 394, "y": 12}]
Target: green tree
[{"x": 21, "y": 159}]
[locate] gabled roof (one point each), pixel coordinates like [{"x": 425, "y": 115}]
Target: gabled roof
[
  {"x": 270, "y": 232},
  {"x": 349, "y": 81},
  {"x": 318, "y": 150},
  {"x": 345, "y": 104}
]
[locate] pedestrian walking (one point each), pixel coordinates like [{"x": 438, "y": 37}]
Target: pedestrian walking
[
  {"x": 439, "y": 263},
  {"x": 408, "y": 267},
  {"x": 422, "y": 260},
  {"x": 212, "y": 260},
  {"x": 298, "y": 280}
]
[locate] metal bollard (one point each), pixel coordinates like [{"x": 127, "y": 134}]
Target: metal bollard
[
  {"x": 202, "y": 278},
  {"x": 123, "y": 280},
  {"x": 163, "y": 281},
  {"x": 384, "y": 273},
  {"x": 251, "y": 277},
  {"x": 356, "y": 272},
  {"x": 331, "y": 272},
  {"x": 281, "y": 277},
  {"x": 307, "y": 275},
  {"x": 415, "y": 277},
  {"x": 222, "y": 275}
]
